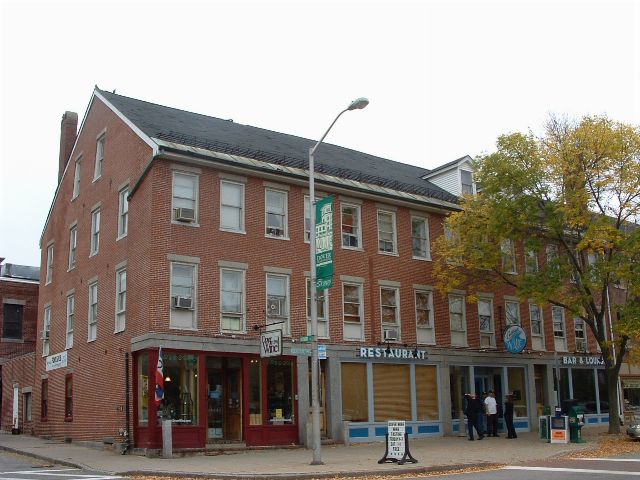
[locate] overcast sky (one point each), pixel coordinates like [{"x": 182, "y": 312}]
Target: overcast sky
[{"x": 444, "y": 78}]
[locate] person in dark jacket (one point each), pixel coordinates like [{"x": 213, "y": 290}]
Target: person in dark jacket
[
  {"x": 508, "y": 416},
  {"x": 473, "y": 411}
]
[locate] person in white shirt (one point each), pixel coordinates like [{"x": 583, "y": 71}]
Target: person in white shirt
[{"x": 491, "y": 408}]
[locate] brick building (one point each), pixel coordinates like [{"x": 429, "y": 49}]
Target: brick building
[
  {"x": 184, "y": 232},
  {"x": 18, "y": 318}
]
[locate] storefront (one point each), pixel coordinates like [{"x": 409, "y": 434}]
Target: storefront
[{"x": 214, "y": 397}]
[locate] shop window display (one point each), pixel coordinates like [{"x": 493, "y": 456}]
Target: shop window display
[
  {"x": 180, "y": 403},
  {"x": 280, "y": 392},
  {"x": 143, "y": 389},
  {"x": 518, "y": 388}
]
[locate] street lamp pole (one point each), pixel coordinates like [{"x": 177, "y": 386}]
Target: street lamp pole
[{"x": 315, "y": 401}]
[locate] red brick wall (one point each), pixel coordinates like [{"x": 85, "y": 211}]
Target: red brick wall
[
  {"x": 10, "y": 289},
  {"x": 18, "y": 371}
]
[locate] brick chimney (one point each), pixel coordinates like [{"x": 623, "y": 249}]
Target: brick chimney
[{"x": 68, "y": 134}]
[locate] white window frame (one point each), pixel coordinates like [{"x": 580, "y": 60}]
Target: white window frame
[
  {"x": 73, "y": 246},
  {"x": 462, "y": 184},
  {"x": 123, "y": 212},
  {"x": 462, "y": 313},
  {"x": 510, "y": 319},
  {"x": 76, "y": 178},
  {"x": 536, "y": 307},
  {"x": 95, "y": 232},
  {"x": 321, "y": 299},
  {"x": 92, "y": 312},
  {"x": 46, "y": 327},
  {"x": 285, "y": 214},
  {"x": 395, "y": 307},
  {"x": 430, "y": 326},
  {"x": 71, "y": 312},
  {"x": 97, "y": 171},
  {"x": 193, "y": 296},
  {"x": 283, "y": 320},
  {"x": 490, "y": 332},
  {"x": 360, "y": 316},
  {"x": 552, "y": 253},
  {"x": 49, "y": 274},
  {"x": 394, "y": 233},
  {"x": 240, "y": 315},
  {"x": 508, "y": 255},
  {"x": 358, "y": 234},
  {"x": 307, "y": 217},
  {"x": 580, "y": 334},
  {"x": 121, "y": 300},
  {"x": 240, "y": 209},
  {"x": 196, "y": 194},
  {"x": 426, "y": 240},
  {"x": 561, "y": 321},
  {"x": 531, "y": 261}
]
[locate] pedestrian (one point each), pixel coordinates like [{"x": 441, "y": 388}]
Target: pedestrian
[
  {"x": 508, "y": 416},
  {"x": 491, "y": 407},
  {"x": 473, "y": 411}
]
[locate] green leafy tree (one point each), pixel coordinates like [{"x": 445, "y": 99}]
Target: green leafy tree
[{"x": 569, "y": 202}]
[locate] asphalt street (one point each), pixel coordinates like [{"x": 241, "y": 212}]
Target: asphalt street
[{"x": 20, "y": 467}]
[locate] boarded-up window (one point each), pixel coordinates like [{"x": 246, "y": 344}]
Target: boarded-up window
[
  {"x": 391, "y": 392},
  {"x": 354, "y": 392},
  {"x": 427, "y": 392}
]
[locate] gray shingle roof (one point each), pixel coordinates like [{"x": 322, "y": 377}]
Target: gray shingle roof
[{"x": 226, "y": 136}]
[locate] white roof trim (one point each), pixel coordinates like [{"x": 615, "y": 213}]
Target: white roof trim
[{"x": 440, "y": 170}]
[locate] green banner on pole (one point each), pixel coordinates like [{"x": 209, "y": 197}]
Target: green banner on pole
[{"x": 324, "y": 243}]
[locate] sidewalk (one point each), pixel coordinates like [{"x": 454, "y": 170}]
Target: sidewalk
[{"x": 433, "y": 454}]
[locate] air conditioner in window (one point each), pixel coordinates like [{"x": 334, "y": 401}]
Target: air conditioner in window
[
  {"x": 45, "y": 335},
  {"x": 275, "y": 307},
  {"x": 390, "y": 334},
  {"x": 185, "y": 214},
  {"x": 182, "y": 302}
]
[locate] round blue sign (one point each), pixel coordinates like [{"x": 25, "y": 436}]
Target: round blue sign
[{"x": 515, "y": 339}]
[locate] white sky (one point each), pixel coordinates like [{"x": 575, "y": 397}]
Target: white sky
[{"x": 444, "y": 78}]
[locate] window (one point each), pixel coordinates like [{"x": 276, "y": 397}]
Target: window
[
  {"x": 231, "y": 206},
  {"x": 355, "y": 402},
  {"x": 143, "y": 388},
  {"x": 44, "y": 399},
  {"x": 26, "y": 397},
  {"x": 420, "y": 238},
  {"x": 46, "y": 331},
  {"x": 92, "y": 332},
  {"x": 535, "y": 316},
  {"x": 427, "y": 405},
  {"x": 73, "y": 247},
  {"x": 180, "y": 403},
  {"x": 121, "y": 300},
  {"x": 391, "y": 392},
  {"x": 280, "y": 395},
  {"x": 275, "y": 213},
  {"x": 581, "y": 335},
  {"x": 531, "y": 261},
  {"x": 49, "y": 276},
  {"x": 424, "y": 316},
  {"x": 278, "y": 300},
  {"x": 123, "y": 212},
  {"x": 12, "y": 324},
  {"x": 71, "y": 309},
  {"x": 389, "y": 310},
  {"x": 307, "y": 218},
  {"x": 183, "y": 296},
  {"x": 512, "y": 312},
  {"x": 185, "y": 197},
  {"x": 68, "y": 397},
  {"x": 232, "y": 300},
  {"x": 508, "y": 255},
  {"x": 323, "y": 308},
  {"x": 552, "y": 255},
  {"x": 351, "y": 231},
  {"x": 95, "y": 232},
  {"x": 457, "y": 320},
  {"x": 466, "y": 179},
  {"x": 352, "y": 311},
  {"x": 485, "y": 317},
  {"x": 560, "y": 338},
  {"x": 99, "y": 157},
  {"x": 76, "y": 180},
  {"x": 386, "y": 232}
]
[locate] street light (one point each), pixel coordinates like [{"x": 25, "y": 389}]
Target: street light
[{"x": 357, "y": 104}]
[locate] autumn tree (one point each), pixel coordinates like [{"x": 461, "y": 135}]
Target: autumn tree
[{"x": 569, "y": 202}]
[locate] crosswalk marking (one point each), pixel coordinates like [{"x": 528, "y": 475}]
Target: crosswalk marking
[
  {"x": 612, "y": 459},
  {"x": 41, "y": 471},
  {"x": 60, "y": 472},
  {"x": 573, "y": 470}
]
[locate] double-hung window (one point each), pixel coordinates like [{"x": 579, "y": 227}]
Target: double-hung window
[
  {"x": 95, "y": 232},
  {"x": 351, "y": 230},
  {"x": 531, "y": 261},
  {"x": 97, "y": 173},
  {"x": 92, "y": 332},
  {"x": 352, "y": 311},
  {"x": 276, "y": 213},
  {"x": 420, "y": 238},
  {"x": 424, "y": 316},
  {"x": 552, "y": 256},
  {"x": 581, "y": 335},
  {"x": 512, "y": 312},
  {"x": 121, "y": 300},
  {"x": 13, "y": 320},
  {"x": 307, "y": 218},
  {"x": 389, "y": 306},
  {"x": 71, "y": 310},
  {"x": 537, "y": 328},
  {"x": 123, "y": 212},
  {"x": 508, "y": 255},
  {"x": 183, "y": 296},
  {"x": 185, "y": 197},
  {"x": 386, "y": 232},
  {"x": 49, "y": 276},
  {"x": 278, "y": 301},
  {"x": 73, "y": 246},
  {"x": 231, "y": 206},
  {"x": 232, "y": 300},
  {"x": 457, "y": 320},
  {"x": 485, "y": 318},
  {"x": 321, "y": 302},
  {"x": 559, "y": 332},
  {"x": 76, "y": 179},
  {"x": 466, "y": 180},
  {"x": 46, "y": 330}
]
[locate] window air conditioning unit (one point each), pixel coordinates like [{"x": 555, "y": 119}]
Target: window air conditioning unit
[
  {"x": 185, "y": 214},
  {"x": 274, "y": 307},
  {"x": 390, "y": 334},
  {"x": 45, "y": 335},
  {"x": 182, "y": 302}
]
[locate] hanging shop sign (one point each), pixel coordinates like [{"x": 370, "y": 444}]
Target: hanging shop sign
[
  {"x": 324, "y": 243},
  {"x": 382, "y": 352},
  {"x": 582, "y": 360},
  {"x": 515, "y": 339},
  {"x": 59, "y": 360},
  {"x": 271, "y": 343}
]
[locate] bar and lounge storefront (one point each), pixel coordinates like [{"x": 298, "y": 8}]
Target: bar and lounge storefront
[{"x": 213, "y": 397}]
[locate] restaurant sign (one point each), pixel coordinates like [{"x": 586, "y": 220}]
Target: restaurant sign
[
  {"x": 582, "y": 360},
  {"x": 402, "y": 353}
]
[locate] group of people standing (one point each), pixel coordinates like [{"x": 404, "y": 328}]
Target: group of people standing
[{"x": 489, "y": 406}]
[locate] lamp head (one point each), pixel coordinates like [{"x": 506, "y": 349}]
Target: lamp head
[{"x": 358, "y": 104}]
